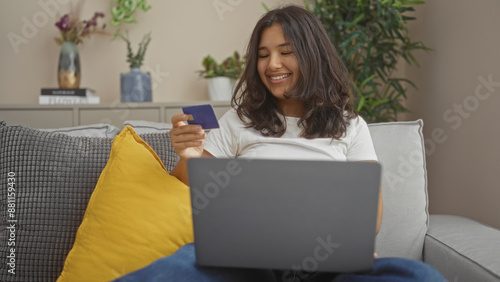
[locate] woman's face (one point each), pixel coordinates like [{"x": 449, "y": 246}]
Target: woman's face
[{"x": 277, "y": 64}]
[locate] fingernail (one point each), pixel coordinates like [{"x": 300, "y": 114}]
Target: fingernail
[
  {"x": 184, "y": 116},
  {"x": 198, "y": 127}
]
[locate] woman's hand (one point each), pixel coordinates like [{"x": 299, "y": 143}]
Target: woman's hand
[{"x": 187, "y": 140}]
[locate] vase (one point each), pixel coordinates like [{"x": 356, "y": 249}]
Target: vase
[
  {"x": 220, "y": 88},
  {"x": 135, "y": 86},
  {"x": 69, "y": 66}
]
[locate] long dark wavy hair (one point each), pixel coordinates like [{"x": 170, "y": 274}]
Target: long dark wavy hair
[{"x": 324, "y": 86}]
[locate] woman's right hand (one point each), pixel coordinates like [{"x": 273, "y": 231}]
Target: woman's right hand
[{"x": 187, "y": 140}]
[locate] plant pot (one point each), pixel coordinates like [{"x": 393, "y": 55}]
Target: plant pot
[
  {"x": 135, "y": 86},
  {"x": 220, "y": 88},
  {"x": 68, "y": 71}
]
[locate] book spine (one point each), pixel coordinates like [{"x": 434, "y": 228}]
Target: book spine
[
  {"x": 59, "y": 99},
  {"x": 66, "y": 92}
]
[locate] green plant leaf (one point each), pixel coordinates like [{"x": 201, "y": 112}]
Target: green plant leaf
[
  {"x": 265, "y": 7},
  {"x": 367, "y": 80},
  {"x": 129, "y": 20},
  {"x": 358, "y": 19},
  {"x": 411, "y": 3},
  {"x": 360, "y": 103},
  {"x": 379, "y": 102}
]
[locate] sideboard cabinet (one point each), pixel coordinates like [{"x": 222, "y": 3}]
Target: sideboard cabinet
[{"x": 55, "y": 116}]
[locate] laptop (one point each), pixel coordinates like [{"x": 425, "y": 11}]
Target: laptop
[{"x": 284, "y": 214}]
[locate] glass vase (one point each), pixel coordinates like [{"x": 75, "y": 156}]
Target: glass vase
[{"x": 69, "y": 66}]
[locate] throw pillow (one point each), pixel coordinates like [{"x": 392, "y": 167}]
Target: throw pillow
[
  {"x": 401, "y": 152},
  {"x": 137, "y": 213}
]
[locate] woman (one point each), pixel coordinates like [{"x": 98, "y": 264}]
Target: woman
[{"x": 295, "y": 102}]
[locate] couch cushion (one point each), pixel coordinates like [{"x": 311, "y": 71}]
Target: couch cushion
[
  {"x": 92, "y": 130},
  {"x": 137, "y": 213},
  {"x": 143, "y": 126},
  {"x": 463, "y": 249},
  {"x": 52, "y": 176},
  {"x": 400, "y": 150}
]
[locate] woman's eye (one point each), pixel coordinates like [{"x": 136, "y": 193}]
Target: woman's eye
[
  {"x": 286, "y": 53},
  {"x": 263, "y": 56}
]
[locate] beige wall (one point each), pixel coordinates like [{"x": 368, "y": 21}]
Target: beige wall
[
  {"x": 463, "y": 155},
  {"x": 461, "y": 114},
  {"x": 183, "y": 33}
]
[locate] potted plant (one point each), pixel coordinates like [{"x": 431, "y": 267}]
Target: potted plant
[
  {"x": 135, "y": 86},
  {"x": 372, "y": 37},
  {"x": 222, "y": 77}
]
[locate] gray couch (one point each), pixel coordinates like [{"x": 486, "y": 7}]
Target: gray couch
[{"x": 53, "y": 173}]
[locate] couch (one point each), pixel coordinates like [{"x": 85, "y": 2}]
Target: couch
[{"x": 54, "y": 172}]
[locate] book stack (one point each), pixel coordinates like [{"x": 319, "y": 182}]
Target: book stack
[{"x": 50, "y": 96}]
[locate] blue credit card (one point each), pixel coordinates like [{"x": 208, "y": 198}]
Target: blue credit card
[{"x": 203, "y": 115}]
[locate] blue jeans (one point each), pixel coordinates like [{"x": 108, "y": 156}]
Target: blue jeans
[{"x": 181, "y": 266}]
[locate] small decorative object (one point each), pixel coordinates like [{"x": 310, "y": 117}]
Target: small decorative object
[
  {"x": 68, "y": 71},
  {"x": 221, "y": 78},
  {"x": 135, "y": 86},
  {"x": 72, "y": 31}
]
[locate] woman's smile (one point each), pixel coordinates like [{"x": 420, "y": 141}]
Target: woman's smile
[{"x": 279, "y": 78}]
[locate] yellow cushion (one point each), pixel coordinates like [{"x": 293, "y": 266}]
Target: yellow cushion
[{"x": 137, "y": 214}]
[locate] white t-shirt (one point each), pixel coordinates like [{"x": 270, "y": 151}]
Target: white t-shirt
[{"x": 232, "y": 139}]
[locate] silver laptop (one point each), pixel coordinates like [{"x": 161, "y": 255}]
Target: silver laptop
[{"x": 282, "y": 214}]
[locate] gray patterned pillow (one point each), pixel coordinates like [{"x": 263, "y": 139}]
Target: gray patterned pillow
[{"x": 46, "y": 180}]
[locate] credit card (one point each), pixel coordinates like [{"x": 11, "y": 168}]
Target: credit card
[{"x": 203, "y": 115}]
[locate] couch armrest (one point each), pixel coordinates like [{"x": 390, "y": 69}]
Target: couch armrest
[{"x": 463, "y": 249}]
